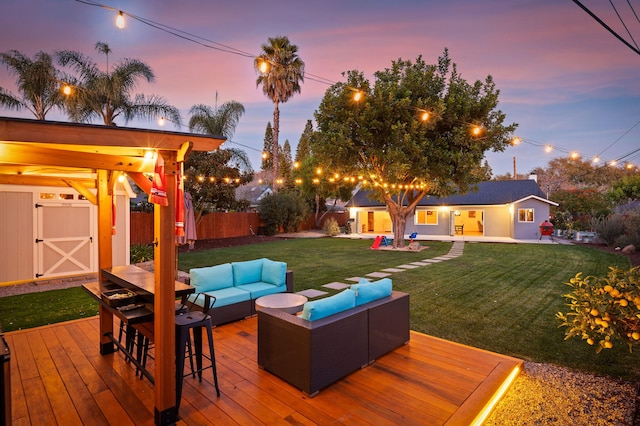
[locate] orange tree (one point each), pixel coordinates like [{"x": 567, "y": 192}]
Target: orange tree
[
  {"x": 602, "y": 309},
  {"x": 418, "y": 130}
]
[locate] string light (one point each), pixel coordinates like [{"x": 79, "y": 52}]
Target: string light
[
  {"x": 265, "y": 65},
  {"x": 120, "y": 20}
]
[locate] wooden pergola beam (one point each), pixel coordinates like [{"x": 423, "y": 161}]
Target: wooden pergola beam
[{"x": 22, "y": 130}]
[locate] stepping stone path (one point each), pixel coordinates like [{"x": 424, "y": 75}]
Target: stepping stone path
[{"x": 456, "y": 250}]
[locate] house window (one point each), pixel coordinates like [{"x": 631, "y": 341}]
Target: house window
[
  {"x": 426, "y": 217},
  {"x": 525, "y": 215}
]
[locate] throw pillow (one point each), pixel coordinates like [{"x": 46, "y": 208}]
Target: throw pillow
[
  {"x": 212, "y": 278},
  {"x": 318, "y": 309}
]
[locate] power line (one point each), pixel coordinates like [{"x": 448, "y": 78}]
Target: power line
[
  {"x": 608, "y": 28},
  {"x": 622, "y": 22}
]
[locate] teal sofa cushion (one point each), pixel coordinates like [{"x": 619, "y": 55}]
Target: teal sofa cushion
[
  {"x": 318, "y": 309},
  {"x": 368, "y": 292},
  {"x": 261, "y": 289},
  {"x": 247, "y": 272},
  {"x": 224, "y": 296},
  {"x": 274, "y": 272},
  {"x": 212, "y": 277}
]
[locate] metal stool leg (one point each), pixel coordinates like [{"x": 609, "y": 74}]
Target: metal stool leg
[{"x": 213, "y": 356}]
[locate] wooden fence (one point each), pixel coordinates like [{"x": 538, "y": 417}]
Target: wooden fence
[{"x": 219, "y": 225}]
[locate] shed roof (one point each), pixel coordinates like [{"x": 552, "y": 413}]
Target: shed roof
[{"x": 484, "y": 193}]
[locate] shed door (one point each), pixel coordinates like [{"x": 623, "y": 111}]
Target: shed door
[{"x": 64, "y": 238}]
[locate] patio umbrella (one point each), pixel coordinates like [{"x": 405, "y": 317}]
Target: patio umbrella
[{"x": 189, "y": 236}]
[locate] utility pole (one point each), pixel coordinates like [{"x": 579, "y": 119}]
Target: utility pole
[{"x": 515, "y": 176}]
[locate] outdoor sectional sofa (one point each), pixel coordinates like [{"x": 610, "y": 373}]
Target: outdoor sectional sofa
[
  {"x": 237, "y": 285},
  {"x": 313, "y": 353}
]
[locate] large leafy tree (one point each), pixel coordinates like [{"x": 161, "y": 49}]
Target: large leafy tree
[
  {"x": 107, "y": 94},
  {"x": 280, "y": 73},
  {"x": 384, "y": 137},
  {"x": 214, "y": 176},
  {"x": 37, "y": 82}
]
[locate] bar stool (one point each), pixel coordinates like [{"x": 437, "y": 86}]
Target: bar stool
[{"x": 197, "y": 318}]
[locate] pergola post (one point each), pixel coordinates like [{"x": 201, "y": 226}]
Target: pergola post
[
  {"x": 164, "y": 303},
  {"x": 105, "y": 255}
]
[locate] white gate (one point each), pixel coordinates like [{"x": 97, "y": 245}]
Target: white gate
[{"x": 64, "y": 238}]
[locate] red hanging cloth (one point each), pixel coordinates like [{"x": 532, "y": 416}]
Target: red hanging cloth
[
  {"x": 113, "y": 212},
  {"x": 159, "y": 186}
]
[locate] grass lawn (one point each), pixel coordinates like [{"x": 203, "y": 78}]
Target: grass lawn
[{"x": 500, "y": 297}]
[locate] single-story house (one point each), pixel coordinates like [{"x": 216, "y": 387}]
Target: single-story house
[{"x": 513, "y": 208}]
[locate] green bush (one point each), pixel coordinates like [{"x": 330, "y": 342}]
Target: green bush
[
  {"x": 283, "y": 209},
  {"x": 331, "y": 227},
  {"x": 609, "y": 228},
  {"x": 140, "y": 253}
]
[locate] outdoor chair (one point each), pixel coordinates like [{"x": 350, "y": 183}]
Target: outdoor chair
[{"x": 192, "y": 322}]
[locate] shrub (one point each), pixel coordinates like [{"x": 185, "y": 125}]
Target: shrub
[
  {"x": 604, "y": 308},
  {"x": 331, "y": 227},
  {"x": 140, "y": 253},
  {"x": 283, "y": 209},
  {"x": 609, "y": 228}
]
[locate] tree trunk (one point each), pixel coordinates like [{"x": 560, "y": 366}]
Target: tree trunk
[
  {"x": 276, "y": 145},
  {"x": 399, "y": 215}
]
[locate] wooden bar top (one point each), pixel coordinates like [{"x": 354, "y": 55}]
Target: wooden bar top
[{"x": 140, "y": 280}]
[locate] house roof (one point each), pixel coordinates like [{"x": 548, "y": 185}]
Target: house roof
[
  {"x": 253, "y": 193},
  {"x": 484, "y": 193}
]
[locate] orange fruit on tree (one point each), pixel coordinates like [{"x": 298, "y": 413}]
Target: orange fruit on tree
[
  {"x": 595, "y": 312},
  {"x": 635, "y": 335},
  {"x": 608, "y": 345},
  {"x": 608, "y": 288}
]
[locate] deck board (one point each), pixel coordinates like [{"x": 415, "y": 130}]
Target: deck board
[{"x": 59, "y": 376}]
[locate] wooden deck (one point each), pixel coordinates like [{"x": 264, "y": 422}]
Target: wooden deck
[{"x": 59, "y": 377}]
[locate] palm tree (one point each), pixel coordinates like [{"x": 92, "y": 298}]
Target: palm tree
[
  {"x": 37, "y": 83},
  {"x": 230, "y": 163},
  {"x": 216, "y": 121},
  {"x": 221, "y": 122},
  {"x": 107, "y": 94},
  {"x": 281, "y": 71}
]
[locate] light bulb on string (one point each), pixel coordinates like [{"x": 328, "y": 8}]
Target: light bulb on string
[
  {"x": 66, "y": 89},
  {"x": 548, "y": 148},
  {"x": 161, "y": 121},
  {"x": 120, "y": 20}
]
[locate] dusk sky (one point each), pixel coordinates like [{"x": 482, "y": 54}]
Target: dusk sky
[{"x": 563, "y": 78}]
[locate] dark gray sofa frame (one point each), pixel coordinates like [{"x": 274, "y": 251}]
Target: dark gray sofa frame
[
  {"x": 311, "y": 355},
  {"x": 240, "y": 310}
]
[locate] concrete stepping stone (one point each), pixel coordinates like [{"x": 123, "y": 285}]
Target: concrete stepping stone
[
  {"x": 311, "y": 293},
  {"x": 378, "y": 274},
  {"x": 336, "y": 285},
  {"x": 393, "y": 270},
  {"x": 408, "y": 266}
]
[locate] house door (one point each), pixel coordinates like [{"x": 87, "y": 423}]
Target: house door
[
  {"x": 64, "y": 238},
  {"x": 370, "y": 222}
]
